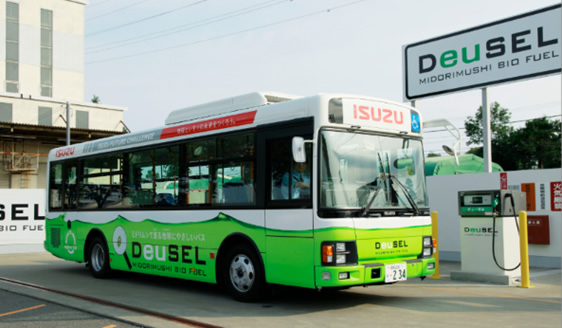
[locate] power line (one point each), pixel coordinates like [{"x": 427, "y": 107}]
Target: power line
[
  {"x": 185, "y": 27},
  {"x": 116, "y": 10},
  {"x": 512, "y": 122},
  {"x": 327, "y": 10},
  {"x": 145, "y": 19},
  {"x": 99, "y": 3}
]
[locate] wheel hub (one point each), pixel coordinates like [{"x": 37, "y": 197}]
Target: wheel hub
[{"x": 242, "y": 273}]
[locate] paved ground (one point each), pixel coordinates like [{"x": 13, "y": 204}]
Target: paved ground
[
  {"x": 21, "y": 311},
  {"x": 428, "y": 303}
]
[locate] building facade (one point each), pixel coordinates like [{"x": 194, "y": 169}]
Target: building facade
[{"x": 42, "y": 72}]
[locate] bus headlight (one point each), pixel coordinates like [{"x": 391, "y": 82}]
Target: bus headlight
[
  {"x": 427, "y": 246},
  {"x": 341, "y": 258},
  {"x": 339, "y": 253},
  {"x": 340, "y": 247}
]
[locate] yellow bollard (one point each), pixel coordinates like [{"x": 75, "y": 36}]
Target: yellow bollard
[
  {"x": 524, "y": 245},
  {"x": 435, "y": 233}
]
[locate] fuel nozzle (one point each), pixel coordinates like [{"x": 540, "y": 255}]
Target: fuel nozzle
[{"x": 495, "y": 203}]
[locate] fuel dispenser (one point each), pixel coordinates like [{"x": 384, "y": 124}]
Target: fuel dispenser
[{"x": 489, "y": 235}]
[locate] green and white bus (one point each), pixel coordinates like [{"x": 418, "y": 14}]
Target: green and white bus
[{"x": 317, "y": 192}]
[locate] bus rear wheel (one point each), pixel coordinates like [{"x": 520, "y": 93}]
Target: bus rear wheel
[
  {"x": 98, "y": 258},
  {"x": 243, "y": 274}
]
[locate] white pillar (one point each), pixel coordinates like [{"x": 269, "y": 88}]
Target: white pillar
[{"x": 486, "y": 132}]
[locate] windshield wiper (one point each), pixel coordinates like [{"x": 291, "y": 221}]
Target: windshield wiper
[
  {"x": 408, "y": 196},
  {"x": 385, "y": 178},
  {"x": 370, "y": 203},
  {"x": 387, "y": 181}
]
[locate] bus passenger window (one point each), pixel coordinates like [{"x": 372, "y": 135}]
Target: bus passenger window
[
  {"x": 235, "y": 183},
  {"x": 166, "y": 176},
  {"x": 100, "y": 182},
  {"x": 153, "y": 177},
  {"x": 198, "y": 185}
]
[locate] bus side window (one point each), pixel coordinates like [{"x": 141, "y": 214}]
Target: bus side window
[
  {"x": 235, "y": 183},
  {"x": 55, "y": 187},
  {"x": 221, "y": 171},
  {"x": 289, "y": 180},
  {"x": 100, "y": 181},
  {"x": 153, "y": 177},
  {"x": 198, "y": 185},
  {"x": 70, "y": 193},
  {"x": 166, "y": 176}
]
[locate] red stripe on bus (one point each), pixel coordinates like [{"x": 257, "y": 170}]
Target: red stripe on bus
[{"x": 209, "y": 125}]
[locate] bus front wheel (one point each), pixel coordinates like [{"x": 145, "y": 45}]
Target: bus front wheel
[
  {"x": 98, "y": 258},
  {"x": 243, "y": 274}
]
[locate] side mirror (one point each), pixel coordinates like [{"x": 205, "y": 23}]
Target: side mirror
[{"x": 299, "y": 153}]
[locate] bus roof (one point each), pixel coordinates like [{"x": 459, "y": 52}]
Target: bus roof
[
  {"x": 232, "y": 113},
  {"x": 227, "y": 105}
]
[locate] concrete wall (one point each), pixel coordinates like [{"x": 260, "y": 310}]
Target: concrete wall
[
  {"x": 68, "y": 47},
  {"x": 443, "y": 199},
  {"x": 101, "y": 117}
]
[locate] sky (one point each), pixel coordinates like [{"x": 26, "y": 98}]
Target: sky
[{"x": 155, "y": 56}]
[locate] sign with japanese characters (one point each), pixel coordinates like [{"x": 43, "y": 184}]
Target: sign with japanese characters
[{"x": 556, "y": 196}]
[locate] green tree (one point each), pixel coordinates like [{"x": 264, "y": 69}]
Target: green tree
[
  {"x": 538, "y": 144},
  {"x": 499, "y": 118},
  {"x": 96, "y": 99},
  {"x": 501, "y": 136}
]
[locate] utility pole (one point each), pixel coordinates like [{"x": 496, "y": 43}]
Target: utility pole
[{"x": 67, "y": 124}]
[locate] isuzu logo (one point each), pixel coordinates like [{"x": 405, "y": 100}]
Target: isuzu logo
[
  {"x": 378, "y": 114},
  {"x": 68, "y": 151}
]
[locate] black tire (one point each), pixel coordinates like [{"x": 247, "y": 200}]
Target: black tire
[
  {"x": 98, "y": 258},
  {"x": 243, "y": 274}
]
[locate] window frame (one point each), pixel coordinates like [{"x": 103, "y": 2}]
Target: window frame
[
  {"x": 182, "y": 175},
  {"x": 11, "y": 64},
  {"x": 279, "y": 131}
]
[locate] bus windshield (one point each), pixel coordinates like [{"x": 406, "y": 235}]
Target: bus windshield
[{"x": 371, "y": 173}]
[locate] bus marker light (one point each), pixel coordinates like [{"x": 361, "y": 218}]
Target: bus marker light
[
  {"x": 431, "y": 266},
  {"x": 326, "y": 276},
  {"x": 327, "y": 253},
  {"x": 212, "y": 256},
  {"x": 343, "y": 275}
]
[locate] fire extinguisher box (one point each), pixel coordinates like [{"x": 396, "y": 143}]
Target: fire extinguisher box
[{"x": 539, "y": 229}]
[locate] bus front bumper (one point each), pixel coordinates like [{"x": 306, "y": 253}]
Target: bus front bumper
[{"x": 371, "y": 273}]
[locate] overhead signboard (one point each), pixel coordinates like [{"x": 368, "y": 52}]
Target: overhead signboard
[{"x": 519, "y": 47}]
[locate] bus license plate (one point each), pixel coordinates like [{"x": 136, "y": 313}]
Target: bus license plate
[{"x": 395, "y": 272}]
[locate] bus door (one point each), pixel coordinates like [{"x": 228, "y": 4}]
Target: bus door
[{"x": 288, "y": 210}]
